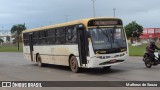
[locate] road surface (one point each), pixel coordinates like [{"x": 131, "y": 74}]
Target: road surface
[{"x": 13, "y": 67}]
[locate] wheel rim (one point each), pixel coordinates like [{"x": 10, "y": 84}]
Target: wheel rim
[
  {"x": 148, "y": 63},
  {"x": 73, "y": 64}
]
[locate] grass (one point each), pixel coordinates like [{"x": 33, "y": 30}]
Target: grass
[
  {"x": 10, "y": 49},
  {"x": 138, "y": 50}
]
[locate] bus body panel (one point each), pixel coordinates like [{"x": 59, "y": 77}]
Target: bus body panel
[
  {"x": 95, "y": 62},
  {"x": 52, "y": 54}
]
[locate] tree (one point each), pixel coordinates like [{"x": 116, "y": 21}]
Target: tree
[
  {"x": 16, "y": 31},
  {"x": 133, "y": 29},
  {"x": 1, "y": 40},
  {"x": 8, "y": 39}
]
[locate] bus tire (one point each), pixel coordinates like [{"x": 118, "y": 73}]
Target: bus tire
[
  {"x": 39, "y": 61},
  {"x": 73, "y": 63}
]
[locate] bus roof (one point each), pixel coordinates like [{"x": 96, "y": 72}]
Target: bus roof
[{"x": 81, "y": 21}]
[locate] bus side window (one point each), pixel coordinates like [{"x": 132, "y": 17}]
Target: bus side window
[
  {"x": 62, "y": 35},
  {"x": 71, "y": 35},
  {"x": 57, "y": 36},
  {"x": 42, "y": 37},
  {"x": 26, "y": 39},
  {"x": 48, "y": 36},
  {"x": 75, "y": 35},
  {"x": 51, "y": 36},
  {"x": 35, "y": 38}
]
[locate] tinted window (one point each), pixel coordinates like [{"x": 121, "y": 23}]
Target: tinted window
[
  {"x": 63, "y": 35},
  {"x": 42, "y": 38},
  {"x": 35, "y": 38},
  {"x": 71, "y": 35},
  {"x": 60, "y": 36},
  {"x": 51, "y": 36},
  {"x": 26, "y": 39}
]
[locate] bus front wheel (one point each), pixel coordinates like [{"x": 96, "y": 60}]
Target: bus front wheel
[
  {"x": 39, "y": 61},
  {"x": 73, "y": 63}
]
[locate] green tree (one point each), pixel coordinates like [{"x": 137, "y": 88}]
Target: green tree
[
  {"x": 1, "y": 40},
  {"x": 8, "y": 38},
  {"x": 133, "y": 29},
  {"x": 16, "y": 31}
]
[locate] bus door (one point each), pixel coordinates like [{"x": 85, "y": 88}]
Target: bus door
[
  {"x": 31, "y": 45},
  {"x": 82, "y": 45}
]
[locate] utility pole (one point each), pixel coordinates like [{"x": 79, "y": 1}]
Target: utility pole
[
  {"x": 114, "y": 12},
  {"x": 94, "y": 8},
  {"x": 66, "y": 18},
  {"x": 18, "y": 28}
]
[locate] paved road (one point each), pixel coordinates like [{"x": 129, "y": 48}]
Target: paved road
[{"x": 14, "y": 68}]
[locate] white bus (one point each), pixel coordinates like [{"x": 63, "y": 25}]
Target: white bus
[{"x": 85, "y": 43}]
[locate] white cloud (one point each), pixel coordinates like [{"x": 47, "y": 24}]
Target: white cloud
[{"x": 37, "y": 13}]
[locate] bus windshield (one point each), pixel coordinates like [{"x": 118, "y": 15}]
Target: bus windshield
[{"x": 108, "y": 38}]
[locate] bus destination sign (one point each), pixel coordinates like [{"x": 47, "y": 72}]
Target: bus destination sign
[{"x": 104, "y": 22}]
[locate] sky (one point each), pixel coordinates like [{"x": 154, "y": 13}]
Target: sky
[{"x": 37, "y": 13}]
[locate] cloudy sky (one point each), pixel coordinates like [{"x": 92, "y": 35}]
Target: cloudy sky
[{"x": 36, "y": 13}]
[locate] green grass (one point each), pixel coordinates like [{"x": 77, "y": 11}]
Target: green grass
[
  {"x": 10, "y": 49},
  {"x": 138, "y": 50}
]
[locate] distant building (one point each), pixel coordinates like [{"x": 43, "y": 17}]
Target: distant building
[
  {"x": 150, "y": 33},
  {"x": 4, "y": 34}
]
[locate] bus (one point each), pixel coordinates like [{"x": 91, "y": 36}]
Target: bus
[{"x": 86, "y": 43}]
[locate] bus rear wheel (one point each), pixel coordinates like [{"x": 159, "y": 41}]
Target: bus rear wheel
[
  {"x": 39, "y": 61},
  {"x": 73, "y": 63}
]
